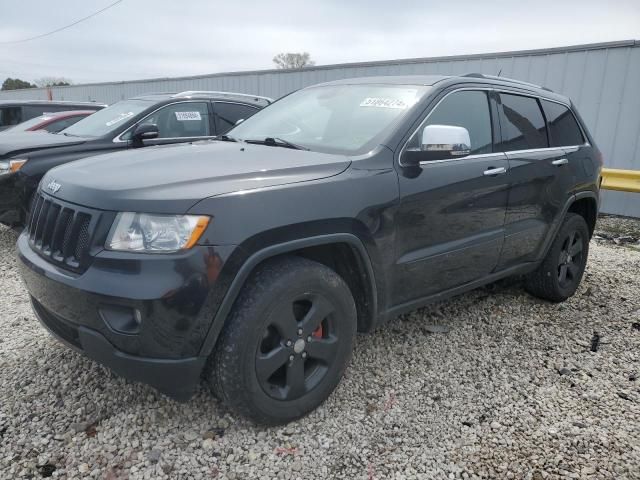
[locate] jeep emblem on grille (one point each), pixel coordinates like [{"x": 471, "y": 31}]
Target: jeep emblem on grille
[{"x": 54, "y": 186}]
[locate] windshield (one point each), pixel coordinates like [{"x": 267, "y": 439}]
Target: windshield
[
  {"x": 347, "y": 119},
  {"x": 24, "y": 126},
  {"x": 108, "y": 119}
]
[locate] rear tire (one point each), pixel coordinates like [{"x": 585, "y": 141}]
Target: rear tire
[
  {"x": 559, "y": 275},
  {"x": 286, "y": 343}
]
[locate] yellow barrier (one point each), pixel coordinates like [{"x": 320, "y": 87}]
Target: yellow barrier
[{"x": 622, "y": 180}]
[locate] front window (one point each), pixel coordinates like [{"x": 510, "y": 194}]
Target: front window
[
  {"x": 108, "y": 120},
  {"x": 347, "y": 119}
]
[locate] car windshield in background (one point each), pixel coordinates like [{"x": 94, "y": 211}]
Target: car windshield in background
[
  {"x": 347, "y": 119},
  {"x": 107, "y": 120}
]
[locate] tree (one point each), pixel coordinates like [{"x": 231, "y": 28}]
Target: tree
[
  {"x": 293, "y": 60},
  {"x": 52, "y": 82},
  {"x": 15, "y": 84}
]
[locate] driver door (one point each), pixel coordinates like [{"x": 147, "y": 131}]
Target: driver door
[{"x": 451, "y": 217}]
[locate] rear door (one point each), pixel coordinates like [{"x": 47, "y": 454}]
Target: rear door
[
  {"x": 450, "y": 221},
  {"x": 538, "y": 174},
  {"x": 565, "y": 132}
]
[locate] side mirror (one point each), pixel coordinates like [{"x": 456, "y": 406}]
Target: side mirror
[
  {"x": 439, "y": 142},
  {"x": 145, "y": 131}
]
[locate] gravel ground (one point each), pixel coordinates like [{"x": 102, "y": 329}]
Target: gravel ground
[{"x": 513, "y": 390}]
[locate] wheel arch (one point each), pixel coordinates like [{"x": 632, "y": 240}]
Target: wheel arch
[
  {"x": 582, "y": 203},
  {"x": 343, "y": 252},
  {"x": 587, "y": 207}
]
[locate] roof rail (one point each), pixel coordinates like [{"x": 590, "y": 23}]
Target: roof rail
[
  {"x": 203, "y": 93},
  {"x": 505, "y": 79}
]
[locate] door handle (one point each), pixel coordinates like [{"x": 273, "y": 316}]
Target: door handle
[
  {"x": 559, "y": 162},
  {"x": 495, "y": 171}
]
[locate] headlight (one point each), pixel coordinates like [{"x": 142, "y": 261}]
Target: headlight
[
  {"x": 11, "y": 166},
  {"x": 141, "y": 232}
]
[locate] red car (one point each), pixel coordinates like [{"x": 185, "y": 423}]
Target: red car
[{"x": 53, "y": 122}]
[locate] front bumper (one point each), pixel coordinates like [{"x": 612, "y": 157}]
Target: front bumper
[
  {"x": 175, "y": 378},
  {"x": 174, "y": 295}
]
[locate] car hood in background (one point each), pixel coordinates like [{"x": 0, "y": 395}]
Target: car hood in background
[
  {"x": 171, "y": 179},
  {"x": 12, "y": 144}
]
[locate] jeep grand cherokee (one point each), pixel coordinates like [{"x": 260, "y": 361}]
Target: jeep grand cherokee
[{"x": 252, "y": 261}]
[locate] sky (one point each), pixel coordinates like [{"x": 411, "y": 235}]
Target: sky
[{"x": 140, "y": 39}]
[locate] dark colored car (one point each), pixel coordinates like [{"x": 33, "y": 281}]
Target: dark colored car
[
  {"x": 51, "y": 122},
  {"x": 253, "y": 260},
  {"x": 156, "y": 119},
  {"x": 14, "y": 112}
]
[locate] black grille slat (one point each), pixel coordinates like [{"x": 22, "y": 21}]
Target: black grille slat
[
  {"x": 61, "y": 232},
  {"x": 70, "y": 237},
  {"x": 49, "y": 225},
  {"x": 35, "y": 211},
  {"x": 82, "y": 244},
  {"x": 42, "y": 218}
]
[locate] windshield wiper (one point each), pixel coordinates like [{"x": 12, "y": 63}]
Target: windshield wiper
[{"x": 277, "y": 142}]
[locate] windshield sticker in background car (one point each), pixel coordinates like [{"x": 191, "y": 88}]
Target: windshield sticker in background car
[
  {"x": 383, "y": 103},
  {"x": 186, "y": 116},
  {"x": 119, "y": 118}
]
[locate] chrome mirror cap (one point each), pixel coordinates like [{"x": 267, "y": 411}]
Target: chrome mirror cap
[{"x": 448, "y": 140}]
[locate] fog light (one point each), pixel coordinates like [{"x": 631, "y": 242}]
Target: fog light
[{"x": 121, "y": 319}]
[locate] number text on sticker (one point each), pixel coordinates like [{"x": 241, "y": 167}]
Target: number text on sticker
[{"x": 186, "y": 116}]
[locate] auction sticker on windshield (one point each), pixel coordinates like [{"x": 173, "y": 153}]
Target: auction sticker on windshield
[
  {"x": 186, "y": 116},
  {"x": 383, "y": 103},
  {"x": 119, "y": 118}
]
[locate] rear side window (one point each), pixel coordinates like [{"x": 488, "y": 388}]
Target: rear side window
[
  {"x": 522, "y": 124},
  {"x": 228, "y": 114},
  {"x": 563, "y": 127},
  {"x": 468, "y": 109}
]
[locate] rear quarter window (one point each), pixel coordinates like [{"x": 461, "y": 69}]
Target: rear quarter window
[{"x": 564, "y": 130}]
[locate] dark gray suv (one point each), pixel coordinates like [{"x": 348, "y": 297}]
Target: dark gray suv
[{"x": 253, "y": 260}]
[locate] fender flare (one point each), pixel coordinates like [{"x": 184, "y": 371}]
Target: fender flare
[
  {"x": 278, "y": 249},
  {"x": 560, "y": 218}
]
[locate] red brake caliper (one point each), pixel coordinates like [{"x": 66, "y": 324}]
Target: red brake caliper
[{"x": 317, "y": 333}]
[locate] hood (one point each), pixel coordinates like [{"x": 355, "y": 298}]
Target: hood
[
  {"x": 12, "y": 144},
  {"x": 171, "y": 179}
]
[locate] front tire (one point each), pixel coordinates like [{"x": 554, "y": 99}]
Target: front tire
[
  {"x": 286, "y": 343},
  {"x": 560, "y": 273}
]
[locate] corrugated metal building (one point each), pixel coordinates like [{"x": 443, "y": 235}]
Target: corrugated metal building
[{"x": 602, "y": 79}]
